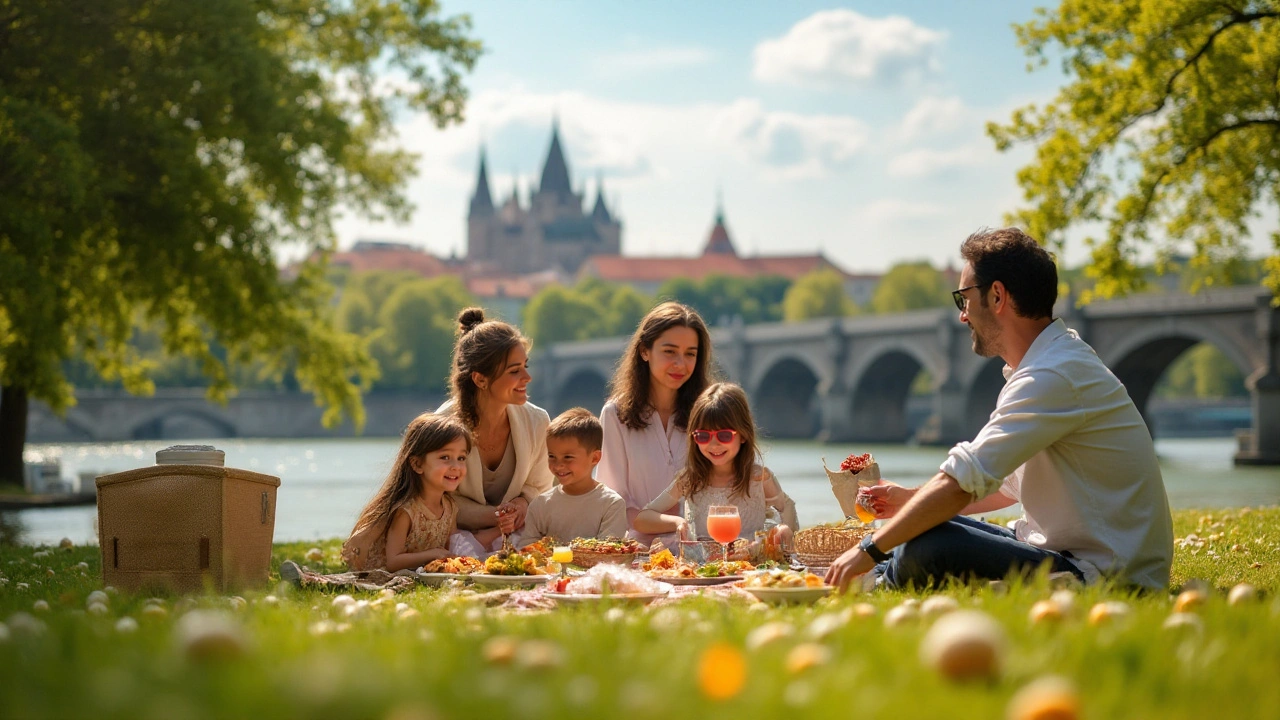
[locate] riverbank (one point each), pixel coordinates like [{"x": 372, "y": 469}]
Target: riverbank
[{"x": 278, "y": 652}]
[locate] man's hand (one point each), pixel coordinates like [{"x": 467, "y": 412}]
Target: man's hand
[
  {"x": 847, "y": 567},
  {"x": 887, "y": 498}
]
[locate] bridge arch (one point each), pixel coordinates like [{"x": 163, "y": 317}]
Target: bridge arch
[
  {"x": 1142, "y": 359},
  {"x": 183, "y": 423},
  {"x": 981, "y": 396},
  {"x": 880, "y": 391},
  {"x": 585, "y": 387},
  {"x": 786, "y": 399}
]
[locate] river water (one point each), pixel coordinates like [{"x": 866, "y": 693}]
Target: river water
[{"x": 325, "y": 482}]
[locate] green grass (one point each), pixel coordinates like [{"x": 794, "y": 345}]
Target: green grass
[{"x": 637, "y": 662}]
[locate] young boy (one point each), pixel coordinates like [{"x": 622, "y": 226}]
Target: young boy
[{"x": 578, "y": 507}]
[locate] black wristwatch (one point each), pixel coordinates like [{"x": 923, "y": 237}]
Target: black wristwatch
[{"x": 868, "y": 546}]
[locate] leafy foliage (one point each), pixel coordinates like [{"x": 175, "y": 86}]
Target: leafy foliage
[
  {"x": 817, "y": 295},
  {"x": 1168, "y": 133},
  {"x": 911, "y": 286},
  {"x": 154, "y": 154},
  {"x": 723, "y": 297}
]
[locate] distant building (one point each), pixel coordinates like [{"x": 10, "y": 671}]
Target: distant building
[
  {"x": 719, "y": 257},
  {"x": 367, "y": 255},
  {"x": 551, "y": 231}
]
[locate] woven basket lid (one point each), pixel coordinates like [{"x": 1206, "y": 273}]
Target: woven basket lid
[{"x": 191, "y": 455}]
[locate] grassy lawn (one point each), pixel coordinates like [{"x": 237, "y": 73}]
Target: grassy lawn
[{"x": 294, "y": 654}]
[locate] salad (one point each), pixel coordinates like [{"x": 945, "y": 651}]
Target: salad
[{"x": 783, "y": 579}]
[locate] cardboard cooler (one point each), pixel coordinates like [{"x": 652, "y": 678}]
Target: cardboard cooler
[{"x": 186, "y": 528}]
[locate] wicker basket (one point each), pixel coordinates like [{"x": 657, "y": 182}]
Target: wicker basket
[
  {"x": 583, "y": 558},
  {"x": 818, "y": 546},
  {"x": 844, "y": 484},
  {"x": 180, "y": 527}
]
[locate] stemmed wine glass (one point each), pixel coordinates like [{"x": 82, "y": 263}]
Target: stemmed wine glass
[{"x": 724, "y": 525}]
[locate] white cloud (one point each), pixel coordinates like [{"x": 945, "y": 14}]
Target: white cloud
[
  {"x": 836, "y": 48},
  {"x": 924, "y": 162},
  {"x": 933, "y": 116},
  {"x": 655, "y": 59},
  {"x": 795, "y": 145}
]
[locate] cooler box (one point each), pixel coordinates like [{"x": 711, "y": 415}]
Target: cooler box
[{"x": 182, "y": 527}]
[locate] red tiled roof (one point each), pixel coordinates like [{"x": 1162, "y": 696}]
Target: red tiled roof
[
  {"x": 386, "y": 258},
  {"x": 620, "y": 268}
]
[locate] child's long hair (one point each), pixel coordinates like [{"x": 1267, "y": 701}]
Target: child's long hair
[
  {"x": 482, "y": 346},
  {"x": 723, "y": 406},
  {"x": 630, "y": 385},
  {"x": 425, "y": 434}
]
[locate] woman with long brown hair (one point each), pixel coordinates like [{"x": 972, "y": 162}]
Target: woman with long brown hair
[
  {"x": 507, "y": 466},
  {"x": 664, "y": 369}
]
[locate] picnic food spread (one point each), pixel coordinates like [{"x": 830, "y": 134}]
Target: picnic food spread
[
  {"x": 783, "y": 579},
  {"x": 610, "y": 546},
  {"x": 457, "y": 565},
  {"x": 857, "y": 463},
  {"x": 609, "y": 579},
  {"x": 514, "y": 563}
]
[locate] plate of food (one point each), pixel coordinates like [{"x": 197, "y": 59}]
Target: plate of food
[
  {"x": 785, "y": 586},
  {"x": 669, "y": 569},
  {"x": 439, "y": 579},
  {"x": 508, "y": 568},
  {"x": 607, "y": 582},
  {"x": 588, "y": 552},
  {"x": 507, "y": 580}
]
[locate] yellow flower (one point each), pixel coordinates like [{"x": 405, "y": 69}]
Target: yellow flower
[{"x": 722, "y": 671}]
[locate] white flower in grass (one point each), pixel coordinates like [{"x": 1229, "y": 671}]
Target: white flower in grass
[
  {"x": 210, "y": 636},
  {"x": 964, "y": 645},
  {"x": 97, "y": 596},
  {"x": 938, "y": 605},
  {"x": 1109, "y": 611},
  {"x": 1066, "y": 601},
  {"x": 767, "y": 634},
  {"x": 98, "y": 608},
  {"x": 1044, "y": 611},
  {"x": 539, "y": 655},
  {"x": 21, "y": 623},
  {"x": 825, "y": 625},
  {"x": 315, "y": 554},
  {"x": 342, "y": 601},
  {"x": 126, "y": 625},
  {"x": 40, "y": 606},
  {"x": 901, "y": 615},
  {"x": 1242, "y": 594}
]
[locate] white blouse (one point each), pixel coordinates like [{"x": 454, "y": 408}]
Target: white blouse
[{"x": 640, "y": 464}]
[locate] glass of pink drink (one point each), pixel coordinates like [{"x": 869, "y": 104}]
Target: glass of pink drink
[{"x": 724, "y": 525}]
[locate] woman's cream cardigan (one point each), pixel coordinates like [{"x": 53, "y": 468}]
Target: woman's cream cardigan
[{"x": 532, "y": 477}]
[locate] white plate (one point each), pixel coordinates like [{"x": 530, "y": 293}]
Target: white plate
[
  {"x": 438, "y": 579},
  {"x": 509, "y": 580},
  {"x": 698, "y": 580},
  {"x": 642, "y": 598},
  {"x": 789, "y": 595}
]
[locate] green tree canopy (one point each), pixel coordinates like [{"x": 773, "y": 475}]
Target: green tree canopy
[
  {"x": 153, "y": 154},
  {"x": 1168, "y": 132},
  {"x": 560, "y": 314},
  {"x": 416, "y": 332},
  {"x": 754, "y": 299},
  {"x": 817, "y": 295},
  {"x": 911, "y": 286}
]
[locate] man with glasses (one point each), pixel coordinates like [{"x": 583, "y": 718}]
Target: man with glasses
[{"x": 1065, "y": 440}]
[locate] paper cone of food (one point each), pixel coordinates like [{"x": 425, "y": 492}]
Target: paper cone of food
[{"x": 856, "y": 471}]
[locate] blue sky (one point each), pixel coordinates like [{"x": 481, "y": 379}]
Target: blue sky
[{"x": 856, "y": 130}]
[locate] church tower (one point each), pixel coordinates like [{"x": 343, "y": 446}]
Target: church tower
[{"x": 480, "y": 218}]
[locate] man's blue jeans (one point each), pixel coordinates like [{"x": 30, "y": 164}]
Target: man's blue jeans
[{"x": 965, "y": 549}]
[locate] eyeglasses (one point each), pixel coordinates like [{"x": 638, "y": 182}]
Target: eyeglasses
[
  {"x": 724, "y": 437},
  {"x": 958, "y": 295}
]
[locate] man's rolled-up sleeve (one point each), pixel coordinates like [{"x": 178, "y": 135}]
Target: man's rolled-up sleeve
[{"x": 1036, "y": 409}]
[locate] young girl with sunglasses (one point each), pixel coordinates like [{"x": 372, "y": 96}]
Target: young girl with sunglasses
[{"x": 723, "y": 468}]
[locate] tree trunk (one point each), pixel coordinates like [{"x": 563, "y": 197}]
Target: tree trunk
[{"x": 13, "y": 433}]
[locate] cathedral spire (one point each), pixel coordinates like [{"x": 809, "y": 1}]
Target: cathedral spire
[
  {"x": 555, "y": 172},
  {"x": 600, "y": 213},
  {"x": 719, "y": 242},
  {"x": 481, "y": 200}
]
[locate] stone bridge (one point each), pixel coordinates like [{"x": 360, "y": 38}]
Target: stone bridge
[
  {"x": 116, "y": 416},
  {"x": 849, "y": 379}
]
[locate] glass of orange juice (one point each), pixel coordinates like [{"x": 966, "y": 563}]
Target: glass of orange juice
[
  {"x": 862, "y": 508},
  {"x": 562, "y": 554},
  {"x": 724, "y": 525}
]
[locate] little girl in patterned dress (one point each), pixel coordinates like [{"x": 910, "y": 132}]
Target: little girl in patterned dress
[{"x": 409, "y": 521}]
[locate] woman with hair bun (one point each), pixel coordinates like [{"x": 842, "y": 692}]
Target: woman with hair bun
[{"x": 507, "y": 464}]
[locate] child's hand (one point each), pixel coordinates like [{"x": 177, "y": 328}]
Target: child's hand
[{"x": 683, "y": 531}]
